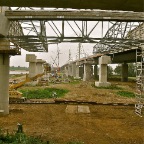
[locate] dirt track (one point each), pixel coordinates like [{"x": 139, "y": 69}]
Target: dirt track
[{"x": 104, "y": 124}]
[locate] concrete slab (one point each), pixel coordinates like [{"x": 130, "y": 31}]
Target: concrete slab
[
  {"x": 77, "y": 109},
  {"x": 83, "y": 109},
  {"x": 71, "y": 109}
]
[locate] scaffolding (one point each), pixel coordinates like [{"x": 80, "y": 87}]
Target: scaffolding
[{"x": 139, "y": 80}]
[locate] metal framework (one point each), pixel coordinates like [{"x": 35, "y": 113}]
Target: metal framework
[
  {"x": 43, "y": 26},
  {"x": 139, "y": 81},
  {"x": 120, "y": 37}
]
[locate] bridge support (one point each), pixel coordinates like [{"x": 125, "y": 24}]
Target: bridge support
[
  {"x": 95, "y": 72},
  {"x": 39, "y": 66},
  {"x": 74, "y": 69},
  {"x": 103, "y": 61},
  {"x": 4, "y": 77},
  {"x": 81, "y": 71},
  {"x": 124, "y": 72},
  {"x": 69, "y": 70},
  {"x": 87, "y": 72},
  {"x": 77, "y": 71},
  {"x": 31, "y": 58},
  {"x": 66, "y": 70}
]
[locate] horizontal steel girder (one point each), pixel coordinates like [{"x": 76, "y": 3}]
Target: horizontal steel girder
[{"x": 75, "y": 15}]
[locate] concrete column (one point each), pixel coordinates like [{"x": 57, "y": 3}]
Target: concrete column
[
  {"x": 81, "y": 71},
  {"x": 103, "y": 61},
  {"x": 39, "y": 66},
  {"x": 66, "y": 71},
  {"x": 70, "y": 70},
  {"x": 124, "y": 72},
  {"x": 74, "y": 69},
  {"x": 4, "y": 77},
  {"x": 77, "y": 71},
  {"x": 31, "y": 58},
  {"x": 4, "y": 83},
  {"x": 95, "y": 72},
  {"x": 87, "y": 72},
  {"x": 32, "y": 69}
]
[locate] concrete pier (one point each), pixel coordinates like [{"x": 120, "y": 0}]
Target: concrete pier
[
  {"x": 81, "y": 71},
  {"x": 87, "y": 72},
  {"x": 74, "y": 69},
  {"x": 39, "y": 66},
  {"x": 77, "y": 71},
  {"x": 4, "y": 78},
  {"x": 4, "y": 83},
  {"x": 103, "y": 61},
  {"x": 66, "y": 70},
  {"x": 31, "y": 58},
  {"x": 95, "y": 72},
  {"x": 124, "y": 77},
  {"x": 70, "y": 70}
]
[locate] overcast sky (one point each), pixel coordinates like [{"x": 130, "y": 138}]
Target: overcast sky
[{"x": 52, "y": 54}]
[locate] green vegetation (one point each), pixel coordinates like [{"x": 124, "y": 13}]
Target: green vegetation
[
  {"x": 113, "y": 87},
  {"x": 131, "y": 70},
  {"x": 21, "y": 138},
  {"x": 18, "y": 138},
  {"x": 126, "y": 94},
  {"x": 44, "y": 93},
  {"x": 13, "y": 68}
]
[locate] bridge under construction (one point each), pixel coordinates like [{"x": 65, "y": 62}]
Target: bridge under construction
[{"x": 33, "y": 26}]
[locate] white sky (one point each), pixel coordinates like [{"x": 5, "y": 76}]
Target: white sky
[{"x": 63, "y": 57}]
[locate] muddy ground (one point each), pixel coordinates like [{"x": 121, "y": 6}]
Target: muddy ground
[{"x": 103, "y": 125}]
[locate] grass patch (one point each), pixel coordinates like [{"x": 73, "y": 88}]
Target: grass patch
[
  {"x": 112, "y": 87},
  {"x": 44, "y": 93},
  {"x": 126, "y": 94},
  {"x": 75, "y": 82},
  {"x": 19, "y": 138}
]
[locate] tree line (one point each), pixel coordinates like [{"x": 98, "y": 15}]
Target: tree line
[
  {"x": 13, "y": 68},
  {"x": 118, "y": 70}
]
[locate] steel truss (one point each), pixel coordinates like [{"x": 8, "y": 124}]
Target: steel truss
[
  {"x": 38, "y": 34},
  {"x": 120, "y": 37}
]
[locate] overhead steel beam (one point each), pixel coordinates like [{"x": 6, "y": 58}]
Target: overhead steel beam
[
  {"x": 125, "y": 5},
  {"x": 75, "y": 15}
]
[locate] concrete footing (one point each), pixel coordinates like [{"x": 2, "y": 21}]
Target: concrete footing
[{"x": 102, "y": 84}]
